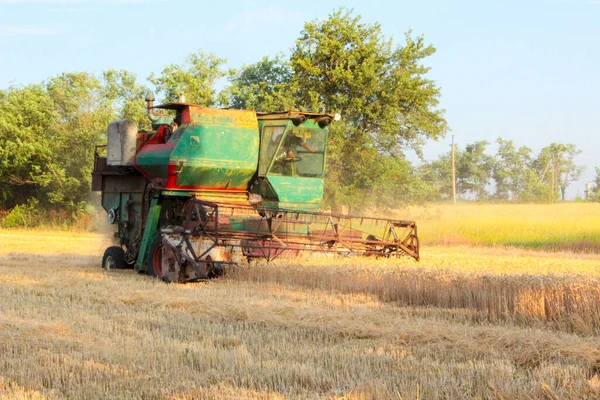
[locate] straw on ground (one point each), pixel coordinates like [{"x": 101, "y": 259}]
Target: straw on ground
[{"x": 463, "y": 323}]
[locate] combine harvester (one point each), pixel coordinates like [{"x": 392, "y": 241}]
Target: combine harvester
[{"x": 211, "y": 186}]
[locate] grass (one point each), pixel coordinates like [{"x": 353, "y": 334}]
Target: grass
[
  {"x": 563, "y": 226},
  {"x": 466, "y": 322}
]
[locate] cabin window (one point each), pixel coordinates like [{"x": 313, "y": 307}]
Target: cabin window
[
  {"x": 177, "y": 134},
  {"x": 300, "y": 153},
  {"x": 271, "y": 138}
]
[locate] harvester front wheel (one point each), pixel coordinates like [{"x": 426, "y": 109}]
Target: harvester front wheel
[
  {"x": 154, "y": 259},
  {"x": 213, "y": 269},
  {"x": 114, "y": 258}
]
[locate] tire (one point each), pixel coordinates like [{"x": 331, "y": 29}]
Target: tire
[
  {"x": 154, "y": 258},
  {"x": 130, "y": 264},
  {"x": 215, "y": 269},
  {"x": 114, "y": 258}
]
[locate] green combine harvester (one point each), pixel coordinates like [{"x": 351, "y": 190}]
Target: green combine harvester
[{"x": 207, "y": 187}]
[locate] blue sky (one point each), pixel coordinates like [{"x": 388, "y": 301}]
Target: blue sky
[{"x": 523, "y": 70}]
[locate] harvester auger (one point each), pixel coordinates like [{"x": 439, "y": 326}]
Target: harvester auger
[{"x": 207, "y": 187}]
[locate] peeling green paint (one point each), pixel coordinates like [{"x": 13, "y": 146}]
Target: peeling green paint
[
  {"x": 222, "y": 156},
  {"x": 297, "y": 193},
  {"x": 149, "y": 231},
  {"x": 218, "y": 149}
]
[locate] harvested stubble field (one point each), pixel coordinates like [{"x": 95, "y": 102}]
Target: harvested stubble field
[{"x": 466, "y": 322}]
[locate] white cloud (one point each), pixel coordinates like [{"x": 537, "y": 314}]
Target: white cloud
[
  {"x": 30, "y": 30},
  {"x": 253, "y": 19}
]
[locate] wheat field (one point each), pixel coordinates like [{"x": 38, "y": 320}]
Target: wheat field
[
  {"x": 466, "y": 322},
  {"x": 560, "y": 226}
]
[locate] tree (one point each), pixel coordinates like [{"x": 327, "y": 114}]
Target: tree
[
  {"x": 195, "y": 79},
  {"x": 438, "y": 176},
  {"x": 594, "y": 193},
  {"x": 48, "y": 133},
  {"x": 510, "y": 171},
  {"x": 556, "y": 166},
  {"x": 473, "y": 170},
  {"x": 125, "y": 96},
  {"x": 346, "y": 66},
  {"x": 387, "y": 102},
  {"x": 534, "y": 191},
  {"x": 265, "y": 86},
  {"x": 84, "y": 112},
  {"x": 27, "y": 116}
]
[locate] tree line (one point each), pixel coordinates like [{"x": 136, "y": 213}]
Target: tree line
[
  {"x": 512, "y": 174},
  {"x": 48, "y": 131}
]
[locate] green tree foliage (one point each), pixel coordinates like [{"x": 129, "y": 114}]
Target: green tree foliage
[
  {"x": 510, "y": 170},
  {"x": 556, "y": 165},
  {"x": 48, "y": 134},
  {"x": 125, "y": 96},
  {"x": 437, "y": 175},
  {"x": 264, "y": 86},
  {"x": 344, "y": 65},
  {"x": 195, "y": 78},
  {"x": 594, "y": 193},
  {"x": 473, "y": 171},
  {"x": 27, "y": 116},
  {"x": 517, "y": 175},
  {"x": 83, "y": 114},
  {"x": 534, "y": 191}
]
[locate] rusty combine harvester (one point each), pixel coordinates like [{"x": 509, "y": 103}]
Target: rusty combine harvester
[{"x": 208, "y": 187}]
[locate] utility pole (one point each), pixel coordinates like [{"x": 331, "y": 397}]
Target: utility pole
[
  {"x": 453, "y": 173},
  {"x": 553, "y": 179},
  {"x": 550, "y": 164},
  {"x": 588, "y": 190}
]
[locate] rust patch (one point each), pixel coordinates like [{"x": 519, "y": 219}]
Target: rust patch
[{"x": 212, "y": 116}]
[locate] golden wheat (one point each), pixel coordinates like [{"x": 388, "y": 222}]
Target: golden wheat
[
  {"x": 463, "y": 323},
  {"x": 569, "y": 302},
  {"x": 563, "y": 226}
]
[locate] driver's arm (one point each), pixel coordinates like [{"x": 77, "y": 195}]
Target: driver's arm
[{"x": 307, "y": 147}]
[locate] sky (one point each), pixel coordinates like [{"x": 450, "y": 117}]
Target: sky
[{"x": 527, "y": 71}]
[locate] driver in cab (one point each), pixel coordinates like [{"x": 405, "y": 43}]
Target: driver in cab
[
  {"x": 287, "y": 154},
  {"x": 290, "y": 143}
]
